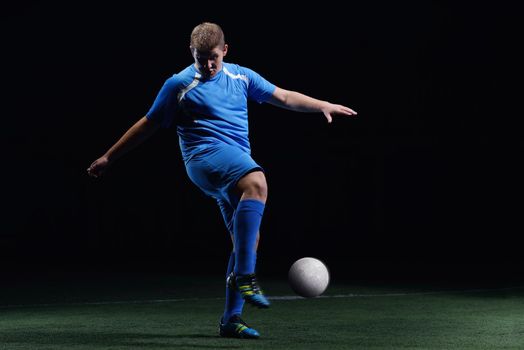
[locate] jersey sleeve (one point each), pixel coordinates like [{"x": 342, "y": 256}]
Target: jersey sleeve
[
  {"x": 259, "y": 89},
  {"x": 165, "y": 106}
]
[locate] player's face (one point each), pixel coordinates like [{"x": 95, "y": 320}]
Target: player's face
[{"x": 209, "y": 63}]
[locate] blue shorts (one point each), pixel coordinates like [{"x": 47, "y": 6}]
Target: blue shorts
[{"x": 216, "y": 171}]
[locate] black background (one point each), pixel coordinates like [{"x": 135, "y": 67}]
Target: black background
[{"x": 425, "y": 181}]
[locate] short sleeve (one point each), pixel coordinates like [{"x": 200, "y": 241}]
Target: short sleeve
[
  {"x": 165, "y": 105},
  {"x": 259, "y": 89}
]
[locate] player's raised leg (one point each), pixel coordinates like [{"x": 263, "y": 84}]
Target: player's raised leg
[
  {"x": 247, "y": 220},
  {"x": 231, "y": 325}
]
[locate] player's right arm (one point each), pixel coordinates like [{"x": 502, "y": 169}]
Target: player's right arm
[{"x": 133, "y": 137}]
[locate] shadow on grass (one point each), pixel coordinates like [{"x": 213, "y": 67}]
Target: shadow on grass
[{"x": 66, "y": 339}]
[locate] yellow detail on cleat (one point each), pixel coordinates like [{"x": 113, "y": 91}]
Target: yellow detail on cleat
[{"x": 240, "y": 328}]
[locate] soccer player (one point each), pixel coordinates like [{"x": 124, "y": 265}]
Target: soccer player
[{"x": 207, "y": 101}]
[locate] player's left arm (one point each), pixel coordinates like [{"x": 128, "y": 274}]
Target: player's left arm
[{"x": 298, "y": 102}]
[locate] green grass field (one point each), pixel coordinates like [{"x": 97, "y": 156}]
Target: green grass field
[{"x": 174, "y": 312}]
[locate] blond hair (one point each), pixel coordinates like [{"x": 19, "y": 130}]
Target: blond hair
[{"x": 206, "y": 36}]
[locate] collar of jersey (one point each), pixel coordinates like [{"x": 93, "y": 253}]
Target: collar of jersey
[{"x": 210, "y": 79}]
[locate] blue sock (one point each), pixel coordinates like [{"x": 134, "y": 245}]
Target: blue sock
[
  {"x": 234, "y": 301},
  {"x": 248, "y": 217}
]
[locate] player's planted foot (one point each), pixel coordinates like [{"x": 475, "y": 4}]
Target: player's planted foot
[
  {"x": 248, "y": 287},
  {"x": 237, "y": 328}
]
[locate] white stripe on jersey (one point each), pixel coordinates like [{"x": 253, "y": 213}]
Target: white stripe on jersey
[
  {"x": 238, "y": 76},
  {"x": 188, "y": 88}
]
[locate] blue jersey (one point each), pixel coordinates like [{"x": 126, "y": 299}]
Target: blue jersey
[{"x": 210, "y": 111}]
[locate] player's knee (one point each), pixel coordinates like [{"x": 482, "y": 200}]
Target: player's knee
[
  {"x": 258, "y": 189},
  {"x": 254, "y": 185}
]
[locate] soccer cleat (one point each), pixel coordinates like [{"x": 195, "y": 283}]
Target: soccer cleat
[
  {"x": 248, "y": 287},
  {"x": 237, "y": 328}
]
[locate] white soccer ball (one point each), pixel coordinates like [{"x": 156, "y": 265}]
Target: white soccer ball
[{"x": 308, "y": 277}]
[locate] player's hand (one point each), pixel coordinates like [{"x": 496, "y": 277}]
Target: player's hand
[
  {"x": 332, "y": 109},
  {"x": 98, "y": 167}
]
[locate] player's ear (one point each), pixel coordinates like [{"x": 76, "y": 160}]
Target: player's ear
[{"x": 224, "y": 50}]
